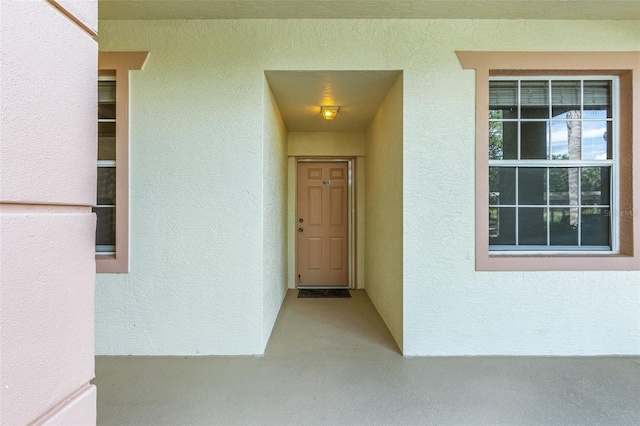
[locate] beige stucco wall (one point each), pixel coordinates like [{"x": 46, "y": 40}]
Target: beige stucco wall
[
  {"x": 47, "y": 230},
  {"x": 197, "y": 267},
  {"x": 274, "y": 212},
  {"x": 195, "y": 284},
  {"x": 338, "y": 144},
  {"x": 383, "y": 206}
]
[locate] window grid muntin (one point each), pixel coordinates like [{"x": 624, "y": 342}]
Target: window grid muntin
[
  {"x": 550, "y": 119},
  {"x": 548, "y": 163},
  {"x": 547, "y": 206}
]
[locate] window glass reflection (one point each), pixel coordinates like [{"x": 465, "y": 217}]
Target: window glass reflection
[
  {"x": 566, "y": 96},
  {"x": 533, "y": 230},
  {"x": 502, "y": 185},
  {"x": 595, "y": 227},
  {"x": 502, "y": 226},
  {"x": 534, "y": 99},
  {"x": 532, "y": 186},
  {"x": 563, "y": 227},
  {"x": 597, "y": 99}
]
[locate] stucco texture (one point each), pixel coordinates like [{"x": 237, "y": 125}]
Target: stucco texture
[
  {"x": 274, "y": 212},
  {"x": 46, "y": 305},
  {"x": 383, "y": 206},
  {"x": 197, "y": 190},
  {"x": 338, "y": 144},
  {"x": 40, "y": 157},
  {"x": 47, "y": 230},
  {"x": 85, "y": 11}
]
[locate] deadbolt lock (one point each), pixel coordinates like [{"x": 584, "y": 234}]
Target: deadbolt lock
[
  {"x": 301, "y": 220},
  {"x": 300, "y": 229}
]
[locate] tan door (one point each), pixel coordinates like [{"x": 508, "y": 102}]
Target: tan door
[{"x": 322, "y": 227}]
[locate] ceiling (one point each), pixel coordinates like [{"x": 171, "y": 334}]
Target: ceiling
[
  {"x": 359, "y": 94},
  {"x": 371, "y": 9}
]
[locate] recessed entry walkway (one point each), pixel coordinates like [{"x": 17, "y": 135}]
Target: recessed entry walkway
[{"x": 333, "y": 362}]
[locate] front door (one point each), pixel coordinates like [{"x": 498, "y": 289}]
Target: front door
[{"x": 322, "y": 227}]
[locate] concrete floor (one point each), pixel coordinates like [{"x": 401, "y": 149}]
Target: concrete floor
[{"x": 333, "y": 362}]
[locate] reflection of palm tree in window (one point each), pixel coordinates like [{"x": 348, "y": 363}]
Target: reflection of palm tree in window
[
  {"x": 495, "y": 136},
  {"x": 574, "y": 129}
]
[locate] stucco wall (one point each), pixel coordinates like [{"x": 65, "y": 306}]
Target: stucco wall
[
  {"x": 196, "y": 218},
  {"x": 196, "y": 200},
  {"x": 339, "y": 144},
  {"x": 47, "y": 238},
  {"x": 274, "y": 212},
  {"x": 383, "y": 206}
]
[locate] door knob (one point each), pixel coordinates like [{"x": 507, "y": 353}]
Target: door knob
[{"x": 300, "y": 229}]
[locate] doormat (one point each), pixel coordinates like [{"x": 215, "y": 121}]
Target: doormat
[{"x": 305, "y": 293}]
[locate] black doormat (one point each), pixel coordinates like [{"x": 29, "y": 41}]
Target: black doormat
[{"x": 323, "y": 292}]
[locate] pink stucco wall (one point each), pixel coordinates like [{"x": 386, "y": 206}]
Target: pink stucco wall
[
  {"x": 47, "y": 185},
  {"x": 84, "y": 11},
  {"x": 45, "y": 107},
  {"x": 79, "y": 411}
]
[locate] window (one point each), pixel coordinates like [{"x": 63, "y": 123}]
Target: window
[
  {"x": 112, "y": 208},
  {"x": 552, "y": 164},
  {"x": 105, "y": 209},
  {"x": 554, "y": 136}
]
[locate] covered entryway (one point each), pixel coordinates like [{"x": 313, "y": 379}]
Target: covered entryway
[{"x": 368, "y": 131}]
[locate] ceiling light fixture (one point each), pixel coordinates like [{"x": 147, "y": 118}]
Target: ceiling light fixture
[{"x": 329, "y": 112}]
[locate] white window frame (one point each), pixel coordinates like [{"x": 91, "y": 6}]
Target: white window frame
[{"x": 547, "y": 164}]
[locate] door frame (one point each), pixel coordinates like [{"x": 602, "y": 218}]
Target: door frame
[{"x": 351, "y": 213}]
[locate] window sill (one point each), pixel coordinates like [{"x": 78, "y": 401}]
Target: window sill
[
  {"x": 110, "y": 264},
  {"x": 556, "y": 262},
  {"x": 551, "y": 253}
]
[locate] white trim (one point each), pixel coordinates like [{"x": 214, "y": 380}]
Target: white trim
[
  {"x": 553, "y": 250},
  {"x": 547, "y": 164},
  {"x": 105, "y": 250},
  {"x": 550, "y": 77},
  {"x": 615, "y": 170},
  {"x": 551, "y": 163}
]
